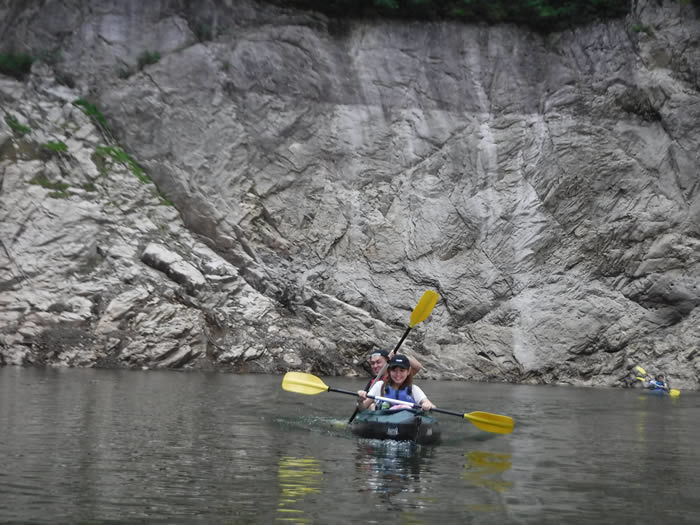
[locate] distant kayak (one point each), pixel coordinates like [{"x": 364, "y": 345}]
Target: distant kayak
[
  {"x": 408, "y": 424},
  {"x": 656, "y": 391},
  {"x": 661, "y": 392}
]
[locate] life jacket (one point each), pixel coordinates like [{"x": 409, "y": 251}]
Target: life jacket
[
  {"x": 404, "y": 394},
  {"x": 370, "y": 383}
]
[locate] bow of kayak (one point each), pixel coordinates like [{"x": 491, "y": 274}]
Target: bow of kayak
[{"x": 401, "y": 425}]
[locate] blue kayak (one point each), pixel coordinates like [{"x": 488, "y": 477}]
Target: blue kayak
[
  {"x": 656, "y": 391},
  {"x": 407, "y": 424},
  {"x": 661, "y": 392}
]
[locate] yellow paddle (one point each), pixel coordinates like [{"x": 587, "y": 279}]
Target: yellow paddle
[
  {"x": 302, "y": 383},
  {"x": 419, "y": 314},
  {"x": 672, "y": 392}
]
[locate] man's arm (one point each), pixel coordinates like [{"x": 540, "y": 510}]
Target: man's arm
[{"x": 415, "y": 365}]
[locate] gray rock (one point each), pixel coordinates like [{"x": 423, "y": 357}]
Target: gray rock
[{"x": 546, "y": 186}]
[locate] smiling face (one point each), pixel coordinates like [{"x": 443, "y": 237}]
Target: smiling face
[
  {"x": 377, "y": 363},
  {"x": 398, "y": 375}
]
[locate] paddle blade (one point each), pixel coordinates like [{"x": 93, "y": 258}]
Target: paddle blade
[
  {"x": 424, "y": 307},
  {"x": 494, "y": 423},
  {"x": 302, "y": 383},
  {"x": 640, "y": 370},
  {"x": 674, "y": 392}
]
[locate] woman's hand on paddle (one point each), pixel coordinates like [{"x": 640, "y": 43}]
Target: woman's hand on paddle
[{"x": 426, "y": 404}]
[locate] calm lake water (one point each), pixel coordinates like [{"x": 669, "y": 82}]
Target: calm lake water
[{"x": 129, "y": 446}]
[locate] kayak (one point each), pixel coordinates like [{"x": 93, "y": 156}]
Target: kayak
[
  {"x": 406, "y": 424},
  {"x": 657, "y": 392}
]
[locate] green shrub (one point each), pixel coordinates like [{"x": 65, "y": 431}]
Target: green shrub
[
  {"x": 119, "y": 155},
  {"x": 55, "y": 147},
  {"x": 15, "y": 125},
  {"x": 163, "y": 200},
  {"x": 59, "y": 188},
  {"x": 203, "y": 32},
  {"x": 642, "y": 28},
  {"x": 147, "y": 58},
  {"x": 16, "y": 65},
  {"x": 59, "y": 194},
  {"x": 91, "y": 111}
]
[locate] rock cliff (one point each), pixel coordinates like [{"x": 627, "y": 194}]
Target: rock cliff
[{"x": 250, "y": 188}]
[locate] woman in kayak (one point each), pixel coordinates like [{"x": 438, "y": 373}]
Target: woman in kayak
[
  {"x": 378, "y": 360},
  {"x": 399, "y": 385}
]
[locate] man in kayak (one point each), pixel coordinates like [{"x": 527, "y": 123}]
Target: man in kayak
[
  {"x": 656, "y": 384},
  {"x": 398, "y": 385}
]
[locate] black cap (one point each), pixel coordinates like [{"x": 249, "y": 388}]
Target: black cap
[
  {"x": 400, "y": 361},
  {"x": 380, "y": 352}
]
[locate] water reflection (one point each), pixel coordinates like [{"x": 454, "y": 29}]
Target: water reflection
[
  {"x": 298, "y": 478},
  {"x": 485, "y": 469},
  {"x": 390, "y": 468}
]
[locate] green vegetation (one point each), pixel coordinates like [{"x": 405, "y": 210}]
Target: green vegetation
[
  {"x": 119, "y": 155},
  {"x": 55, "y": 147},
  {"x": 163, "y": 200},
  {"x": 59, "y": 188},
  {"x": 147, "y": 58},
  {"x": 50, "y": 56},
  {"x": 15, "y": 65},
  {"x": 89, "y": 186},
  {"x": 203, "y": 32},
  {"x": 642, "y": 28},
  {"x": 91, "y": 111},
  {"x": 540, "y": 15},
  {"x": 15, "y": 125}
]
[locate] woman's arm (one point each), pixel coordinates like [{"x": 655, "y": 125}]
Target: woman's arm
[
  {"x": 421, "y": 398},
  {"x": 374, "y": 391}
]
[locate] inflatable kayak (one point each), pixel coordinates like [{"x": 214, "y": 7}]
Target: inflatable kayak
[
  {"x": 406, "y": 424},
  {"x": 661, "y": 392}
]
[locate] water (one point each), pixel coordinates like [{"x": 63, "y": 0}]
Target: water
[{"x": 147, "y": 447}]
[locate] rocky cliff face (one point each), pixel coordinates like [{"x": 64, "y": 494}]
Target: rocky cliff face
[{"x": 277, "y": 190}]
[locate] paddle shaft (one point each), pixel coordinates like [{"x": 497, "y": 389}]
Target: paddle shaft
[
  {"x": 450, "y": 412},
  {"x": 413, "y": 405},
  {"x": 405, "y": 403},
  {"x": 389, "y": 400}
]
